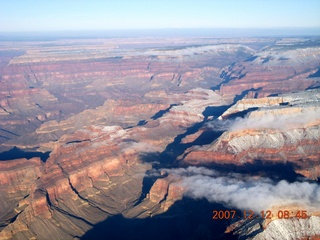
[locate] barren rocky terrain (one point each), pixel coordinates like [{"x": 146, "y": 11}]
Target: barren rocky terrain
[{"x": 134, "y": 136}]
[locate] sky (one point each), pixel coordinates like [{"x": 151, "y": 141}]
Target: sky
[{"x": 77, "y": 15}]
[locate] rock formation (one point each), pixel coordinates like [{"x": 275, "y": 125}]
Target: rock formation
[
  {"x": 117, "y": 113},
  {"x": 292, "y": 228},
  {"x": 276, "y": 69},
  {"x": 274, "y": 132},
  {"x": 100, "y": 169}
]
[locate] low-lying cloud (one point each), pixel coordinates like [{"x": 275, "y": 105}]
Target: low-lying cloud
[
  {"x": 221, "y": 125},
  {"x": 141, "y": 147},
  {"x": 244, "y": 192},
  {"x": 273, "y": 120},
  {"x": 278, "y": 121}
]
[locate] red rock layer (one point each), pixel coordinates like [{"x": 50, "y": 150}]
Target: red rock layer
[
  {"x": 273, "y": 133},
  {"x": 277, "y": 69},
  {"x": 50, "y": 82},
  {"x": 97, "y": 172}
]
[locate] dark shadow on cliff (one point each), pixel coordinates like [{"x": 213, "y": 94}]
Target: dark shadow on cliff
[
  {"x": 162, "y": 112},
  {"x": 168, "y": 158},
  {"x": 186, "y": 219},
  {"x": 314, "y": 86},
  {"x": 16, "y": 153},
  {"x": 176, "y": 148},
  {"x": 244, "y": 93},
  {"x": 315, "y": 75},
  {"x": 173, "y": 150},
  {"x": 274, "y": 170},
  {"x": 226, "y": 78}
]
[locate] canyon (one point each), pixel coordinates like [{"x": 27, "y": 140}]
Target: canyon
[{"x": 101, "y": 134}]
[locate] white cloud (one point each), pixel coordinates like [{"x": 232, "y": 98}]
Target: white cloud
[
  {"x": 247, "y": 193},
  {"x": 274, "y": 119},
  {"x": 277, "y": 121},
  {"x": 141, "y": 147}
]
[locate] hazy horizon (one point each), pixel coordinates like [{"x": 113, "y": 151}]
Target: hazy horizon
[
  {"x": 98, "y": 15},
  {"x": 170, "y": 32}
]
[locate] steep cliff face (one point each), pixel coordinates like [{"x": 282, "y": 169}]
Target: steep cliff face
[
  {"x": 17, "y": 181},
  {"x": 83, "y": 182}
]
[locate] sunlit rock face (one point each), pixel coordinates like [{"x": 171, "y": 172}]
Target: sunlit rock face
[
  {"x": 115, "y": 114},
  {"x": 82, "y": 183}
]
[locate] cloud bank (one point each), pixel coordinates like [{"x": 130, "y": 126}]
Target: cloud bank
[
  {"x": 278, "y": 121},
  {"x": 141, "y": 147},
  {"x": 247, "y": 193},
  {"x": 270, "y": 119}
]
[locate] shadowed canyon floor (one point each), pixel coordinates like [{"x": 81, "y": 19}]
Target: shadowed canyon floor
[{"x": 135, "y": 137}]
